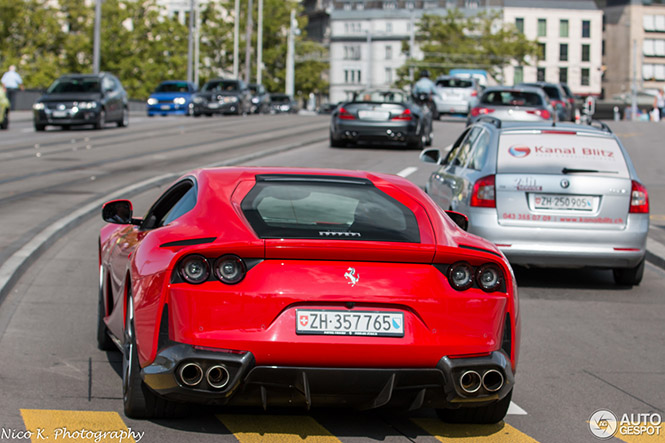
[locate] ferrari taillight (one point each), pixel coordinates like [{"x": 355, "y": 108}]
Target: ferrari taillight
[
  {"x": 194, "y": 269},
  {"x": 229, "y": 269},
  {"x": 488, "y": 277},
  {"x": 639, "y": 199}
]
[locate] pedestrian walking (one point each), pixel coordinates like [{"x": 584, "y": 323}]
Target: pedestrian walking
[
  {"x": 659, "y": 104},
  {"x": 12, "y": 82}
]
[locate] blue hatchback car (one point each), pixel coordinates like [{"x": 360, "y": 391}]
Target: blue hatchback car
[{"x": 173, "y": 97}]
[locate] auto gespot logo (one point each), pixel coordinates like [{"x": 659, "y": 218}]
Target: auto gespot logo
[{"x": 519, "y": 151}]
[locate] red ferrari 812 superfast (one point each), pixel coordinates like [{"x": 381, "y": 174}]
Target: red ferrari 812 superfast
[{"x": 274, "y": 286}]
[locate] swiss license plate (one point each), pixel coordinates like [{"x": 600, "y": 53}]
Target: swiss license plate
[
  {"x": 165, "y": 107},
  {"x": 374, "y": 115},
  {"x": 563, "y": 202},
  {"x": 213, "y": 105},
  {"x": 332, "y": 322},
  {"x": 59, "y": 114}
]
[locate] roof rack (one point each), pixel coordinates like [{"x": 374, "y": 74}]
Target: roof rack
[{"x": 486, "y": 118}]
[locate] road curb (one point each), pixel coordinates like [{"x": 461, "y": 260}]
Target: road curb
[{"x": 16, "y": 265}]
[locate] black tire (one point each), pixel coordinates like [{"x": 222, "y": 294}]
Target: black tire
[
  {"x": 138, "y": 400},
  {"x": 629, "y": 276},
  {"x": 5, "y": 121},
  {"x": 65, "y": 127},
  {"x": 336, "y": 143},
  {"x": 208, "y": 114},
  {"x": 124, "y": 120},
  {"x": 101, "y": 120},
  {"x": 39, "y": 127},
  {"x": 418, "y": 144},
  {"x": 483, "y": 415},
  {"x": 104, "y": 342}
]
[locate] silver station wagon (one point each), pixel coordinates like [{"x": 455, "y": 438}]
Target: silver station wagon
[{"x": 550, "y": 195}]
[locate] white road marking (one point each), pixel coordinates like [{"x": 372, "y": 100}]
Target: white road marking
[
  {"x": 407, "y": 171},
  {"x": 513, "y": 409}
]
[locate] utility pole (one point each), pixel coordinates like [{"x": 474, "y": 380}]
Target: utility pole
[
  {"x": 248, "y": 43},
  {"x": 633, "y": 107},
  {"x": 290, "y": 57},
  {"x": 190, "y": 49},
  {"x": 97, "y": 37},
  {"x": 369, "y": 54},
  {"x": 412, "y": 43},
  {"x": 236, "y": 36},
  {"x": 197, "y": 36},
  {"x": 259, "y": 45}
]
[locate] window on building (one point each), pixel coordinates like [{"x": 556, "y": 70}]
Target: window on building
[
  {"x": 586, "y": 53},
  {"x": 649, "y": 22},
  {"x": 360, "y": 6},
  {"x": 659, "y": 72},
  {"x": 563, "y": 52},
  {"x": 586, "y": 29},
  {"x": 653, "y": 48},
  {"x": 519, "y": 24},
  {"x": 389, "y": 27},
  {"x": 389, "y": 5},
  {"x": 518, "y": 77},
  {"x": 584, "y": 80},
  {"x": 542, "y": 51},
  {"x": 352, "y": 52},
  {"x": 659, "y": 22},
  {"x": 540, "y": 74},
  {"x": 389, "y": 52},
  {"x": 347, "y": 6},
  {"x": 352, "y": 76},
  {"x": 563, "y": 75},
  {"x": 389, "y": 76},
  {"x": 542, "y": 27},
  {"x": 563, "y": 28},
  {"x": 659, "y": 48}
]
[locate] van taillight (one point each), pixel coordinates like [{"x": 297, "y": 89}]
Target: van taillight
[
  {"x": 639, "y": 199},
  {"x": 484, "y": 195}
]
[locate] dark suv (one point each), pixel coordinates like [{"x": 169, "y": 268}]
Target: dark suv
[{"x": 82, "y": 99}]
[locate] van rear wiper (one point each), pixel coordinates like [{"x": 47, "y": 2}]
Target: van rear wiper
[{"x": 585, "y": 171}]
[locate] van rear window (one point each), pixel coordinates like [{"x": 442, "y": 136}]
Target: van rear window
[
  {"x": 335, "y": 208},
  {"x": 551, "y": 153}
]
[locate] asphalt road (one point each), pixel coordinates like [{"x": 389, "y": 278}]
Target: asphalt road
[{"x": 586, "y": 344}]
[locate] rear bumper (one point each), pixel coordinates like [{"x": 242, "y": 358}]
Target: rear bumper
[
  {"x": 377, "y": 131},
  {"x": 562, "y": 246},
  {"x": 365, "y": 388},
  {"x": 452, "y": 107}
]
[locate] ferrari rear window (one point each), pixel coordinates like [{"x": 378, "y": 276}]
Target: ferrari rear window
[{"x": 327, "y": 208}]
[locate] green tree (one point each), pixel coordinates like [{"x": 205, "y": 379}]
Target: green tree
[{"x": 453, "y": 40}]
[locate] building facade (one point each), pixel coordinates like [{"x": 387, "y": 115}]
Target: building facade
[
  {"x": 634, "y": 45},
  {"x": 569, "y": 34},
  {"x": 366, "y": 40}
]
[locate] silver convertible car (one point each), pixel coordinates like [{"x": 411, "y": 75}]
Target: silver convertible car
[{"x": 547, "y": 195}]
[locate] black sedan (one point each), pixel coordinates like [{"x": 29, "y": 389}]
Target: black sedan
[
  {"x": 381, "y": 116},
  {"x": 221, "y": 96},
  {"x": 82, "y": 99}
]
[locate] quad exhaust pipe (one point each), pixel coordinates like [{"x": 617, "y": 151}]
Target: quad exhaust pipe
[
  {"x": 492, "y": 380},
  {"x": 217, "y": 376},
  {"x": 191, "y": 374},
  {"x": 471, "y": 381}
]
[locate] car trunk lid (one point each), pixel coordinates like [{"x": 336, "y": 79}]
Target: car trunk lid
[{"x": 562, "y": 179}]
